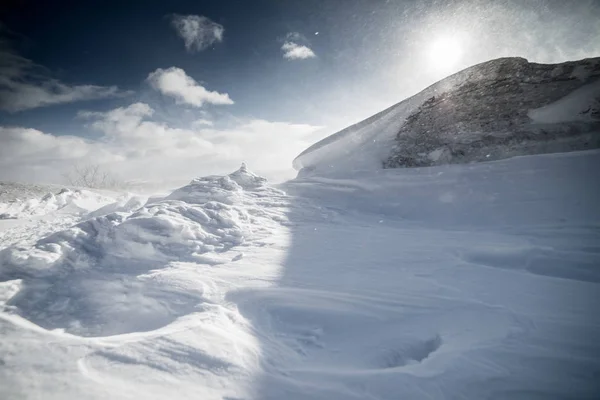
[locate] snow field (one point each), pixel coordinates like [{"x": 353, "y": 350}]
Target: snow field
[{"x": 465, "y": 281}]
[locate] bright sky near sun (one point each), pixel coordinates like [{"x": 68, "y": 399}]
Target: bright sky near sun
[
  {"x": 176, "y": 89},
  {"x": 445, "y": 52}
]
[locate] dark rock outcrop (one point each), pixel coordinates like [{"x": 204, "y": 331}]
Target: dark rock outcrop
[{"x": 489, "y": 117}]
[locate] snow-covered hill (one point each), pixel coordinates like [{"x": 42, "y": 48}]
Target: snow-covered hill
[
  {"x": 494, "y": 110},
  {"x": 460, "y": 281}
]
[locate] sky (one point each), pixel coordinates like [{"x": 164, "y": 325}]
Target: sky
[{"x": 170, "y": 90}]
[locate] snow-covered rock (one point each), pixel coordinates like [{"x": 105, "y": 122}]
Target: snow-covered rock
[{"x": 494, "y": 110}]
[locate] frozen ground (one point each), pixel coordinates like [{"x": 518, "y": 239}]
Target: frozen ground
[{"x": 454, "y": 282}]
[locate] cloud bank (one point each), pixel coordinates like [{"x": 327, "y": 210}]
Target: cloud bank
[
  {"x": 134, "y": 146},
  {"x": 198, "y": 32},
  {"x": 175, "y": 83}
]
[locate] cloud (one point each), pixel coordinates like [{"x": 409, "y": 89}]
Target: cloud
[
  {"x": 134, "y": 146},
  {"x": 174, "y": 82},
  {"x": 32, "y": 155},
  {"x": 19, "y": 145},
  {"x": 294, "y": 51},
  {"x": 120, "y": 122},
  {"x": 295, "y": 47},
  {"x": 197, "y": 32},
  {"x": 202, "y": 122},
  {"x": 25, "y": 85}
]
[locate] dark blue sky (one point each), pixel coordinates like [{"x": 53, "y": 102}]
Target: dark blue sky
[{"x": 369, "y": 54}]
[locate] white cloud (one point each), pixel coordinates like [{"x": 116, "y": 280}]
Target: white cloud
[
  {"x": 197, "y": 32},
  {"x": 32, "y": 155},
  {"x": 25, "y": 85},
  {"x": 120, "y": 122},
  {"x": 295, "y": 47},
  {"x": 202, "y": 122},
  {"x": 19, "y": 145},
  {"x": 134, "y": 146},
  {"x": 174, "y": 82},
  {"x": 294, "y": 51}
]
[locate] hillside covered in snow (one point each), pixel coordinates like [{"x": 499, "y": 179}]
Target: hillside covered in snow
[{"x": 494, "y": 110}]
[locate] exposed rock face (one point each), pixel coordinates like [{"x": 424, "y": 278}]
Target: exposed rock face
[{"x": 493, "y": 114}]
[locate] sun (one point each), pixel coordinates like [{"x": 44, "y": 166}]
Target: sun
[{"x": 445, "y": 52}]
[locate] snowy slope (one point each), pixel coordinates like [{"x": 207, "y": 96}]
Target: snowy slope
[
  {"x": 494, "y": 110},
  {"x": 464, "y": 281},
  {"x": 49, "y": 202},
  {"x": 30, "y": 211}
]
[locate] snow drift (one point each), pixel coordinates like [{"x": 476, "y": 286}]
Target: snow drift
[
  {"x": 96, "y": 259},
  {"x": 494, "y": 110},
  {"x": 65, "y": 199}
]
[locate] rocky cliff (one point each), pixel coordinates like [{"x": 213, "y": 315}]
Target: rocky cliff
[
  {"x": 497, "y": 109},
  {"x": 499, "y": 112}
]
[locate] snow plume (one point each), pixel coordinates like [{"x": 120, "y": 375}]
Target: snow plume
[
  {"x": 294, "y": 50},
  {"x": 198, "y": 32},
  {"x": 25, "y": 85},
  {"x": 174, "y": 82}
]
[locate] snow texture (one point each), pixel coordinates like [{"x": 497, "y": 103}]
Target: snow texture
[
  {"x": 461, "y": 281},
  {"x": 65, "y": 198}
]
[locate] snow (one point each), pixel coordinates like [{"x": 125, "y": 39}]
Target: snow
[
  {"x": 77, "y": 199},
  {"x": 576, "y": 106},
  {"x": 27, "y": 212},
  {"x": 463, "y": 281}
]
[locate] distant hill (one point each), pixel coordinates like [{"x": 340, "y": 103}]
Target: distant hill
[{"x": 494, "y": 110}]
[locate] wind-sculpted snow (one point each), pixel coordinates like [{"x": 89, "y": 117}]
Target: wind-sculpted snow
[
  {"x": 72, "y": 278},
  {"x": 75, "y": 199},
  {"x": 451, "y": 282}
]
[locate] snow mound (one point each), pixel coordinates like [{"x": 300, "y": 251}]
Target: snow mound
[
  {"x": 91, "y": 279},
  {"x": 73, "y": 200},
  {"x": 226, "y": 189},
  {"x": 498, "y": 109}
]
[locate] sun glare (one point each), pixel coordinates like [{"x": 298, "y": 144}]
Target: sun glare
[{"x": 445, "y": 52}]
